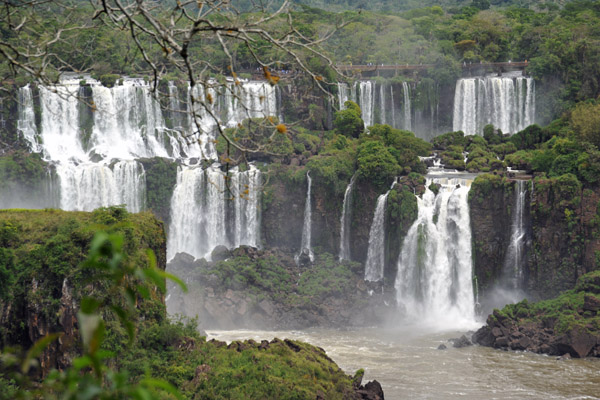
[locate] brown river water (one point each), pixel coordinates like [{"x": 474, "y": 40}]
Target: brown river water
[{"x": 408, "y": 365}]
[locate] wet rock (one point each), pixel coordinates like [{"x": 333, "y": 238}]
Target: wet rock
[
  {"x": 304, "y": 258},
  {"x": 220, "y": 253},
  {"x": 460, "y": 342},
  {"x": 442, "y": 347},
  {"x": 565, "y": 356},
  {"x": 371, "y": 391}
]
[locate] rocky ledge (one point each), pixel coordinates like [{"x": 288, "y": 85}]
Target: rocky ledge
[
  {"x": 568, "y": 324},
  {"x": 250, "y": 288}
]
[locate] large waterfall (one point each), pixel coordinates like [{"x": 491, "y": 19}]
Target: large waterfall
[
  {"x": 375, "y": 264},
  {"x": 345, "y": 221},
  {"x": 515, "y": 254},
  {"x": 376, "y": 101},
  {"x": 94, "y": 135},
  {"x": 306, "y": 243},
  {"x": 507, "y": 102},
  {"x": 206, "y": 211},
  {"x": 434, "y": 267}
]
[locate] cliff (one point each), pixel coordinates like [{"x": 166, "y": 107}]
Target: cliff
[{"x": 561, "y": 218}]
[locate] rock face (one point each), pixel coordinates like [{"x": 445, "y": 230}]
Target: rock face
[
  {"x": 562, "y": 233},
  {"x": 569, "y": 324},
  {"x": 243, "y": 292}
]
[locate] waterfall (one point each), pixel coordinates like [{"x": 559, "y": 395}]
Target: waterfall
[
  {"x": 305, "y": 245},
  {"x": 367, "y": 102},
  {"x": 513, "y": 262},
  {"x": 374, "y": 266},
  {"x": 434, "y": 267},
  {"x": 201, "y": 207},
  {"x": 392, "y": 108},
  {"x": 345, "y": 221},
  {"x": 507, "y": 102},
  {"x": 407, "y": 113},
  {"x": 382, "y": 105},
  {"x": 94, "y": 145},
  {"x": 26, "y": 119}
]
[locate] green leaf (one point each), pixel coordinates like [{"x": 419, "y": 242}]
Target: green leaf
[
  {"x": 161, "y": 384},
  {"x": 37, "y": 349},
  {"x": 89, "y": 305}
]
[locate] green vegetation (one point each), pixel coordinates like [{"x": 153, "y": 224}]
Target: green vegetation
[
  {"x": 117, "y": 340},
  {"x": 161, "y": 177},
  {"x": 565, "y": 312},
  {"x": 277, "y": 277}
]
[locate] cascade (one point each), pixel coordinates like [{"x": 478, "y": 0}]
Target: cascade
[
  {"x": 345, "y": 221},
  {"x": 367, "y": 101},
  {"x": 202, "y": 206},
  {"x": 407, "y": 114},
  {"x": 507, "y": 102},
  {"x": 375, "y": 263},
  {"x": 94, "y": 145},
  {"x": 513, "y": 262},
  {"x": 377, "y": 105},
  {"x": 26, "y": 119},
  {"x": 305, "y": 245},
  {"x": 434, "y": 266}
]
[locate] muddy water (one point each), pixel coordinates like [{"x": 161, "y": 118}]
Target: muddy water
[{"x": 409, "y": 366}]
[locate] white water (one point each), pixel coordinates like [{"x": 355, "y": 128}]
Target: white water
[
  {"x": 205, "y": 212},
  {"x": 98, "y": 168},
  {"x": 345, "y": 221},
  {"x": 26, "y": 122},
  {"x": 375, "y": 264},
  {"x": 507, "y": 102},
  {"x": 376, "y": 107},
  {"x": 435, "y": 267},
  {"x": 513, "y": 263},
  {"x": 306, "y": 245},
  {"x": 406, "y": 104}
]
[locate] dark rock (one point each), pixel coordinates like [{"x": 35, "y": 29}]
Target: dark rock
[
  {"x": 460, "y": 342},
  {"x": 591, "y": 303},
  {"x": 264, "y": 344},
  {"x": 304, "y": 258},
  {"x": 577, "y": 342},
  {"x": 220, "y": 253},
  {"x": 371, "y": 391},
  {"x": 442, "y": 347},
  {"x": 501, "y": 341},
  {"x": 565, "y": 356},
  {"x": 292, "y": 345},
  {"x": 484, "y": 336}
]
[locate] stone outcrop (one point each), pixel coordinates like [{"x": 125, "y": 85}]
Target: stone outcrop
[
  {"x": 569, "y": 324},
  {"x": 228, "y": 303}
]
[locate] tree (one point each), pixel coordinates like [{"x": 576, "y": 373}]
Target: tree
[{"x": 348, "y": 122}]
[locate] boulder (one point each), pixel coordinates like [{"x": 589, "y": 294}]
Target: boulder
[
  {"x": 460, "y": 342},
  {"x": 442, "y": 347},
  {"x": 220, "y": 253},
  {"x": 371, "y": 391},
  {"x": 591, "y": 303}
]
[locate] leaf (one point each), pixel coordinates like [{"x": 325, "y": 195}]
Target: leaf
[
  {"x": 124, "y": 318},
  {"x": 89, "y": 305},
  {"x": 161, "y": 384},
  {"x": 37, "y": 349}
]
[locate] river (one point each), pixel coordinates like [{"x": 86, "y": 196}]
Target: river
[{"x": 408, "y": 365}]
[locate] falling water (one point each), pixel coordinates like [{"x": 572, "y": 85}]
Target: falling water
[
  {"x": 345, "y": 221},
  {"x": 507, "y": 102},
  {"x": 26, "y": 122},
  {"x": 375, "y": 263},
  {"x": 202, "y": 205},
  {"x": 305, "y": 245},
  {"x": 407, "y": 113},
  {"x": 434, "y": 267},
  {"x": 367, "y": 101},
  {"x": 513, "y": 262},
  {"x": 94, "y": 145}
]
